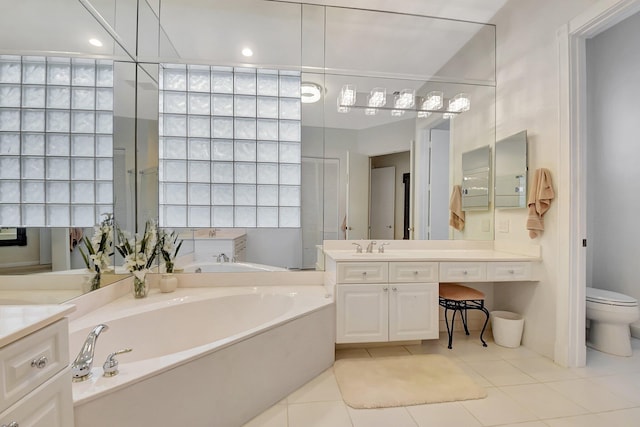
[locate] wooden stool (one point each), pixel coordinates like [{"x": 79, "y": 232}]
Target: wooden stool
[{"x": 456, "y": 297}]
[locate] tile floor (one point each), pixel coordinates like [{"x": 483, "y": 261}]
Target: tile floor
[{"x": 525, "y": 390}]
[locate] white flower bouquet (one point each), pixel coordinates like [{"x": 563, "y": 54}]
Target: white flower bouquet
[
  {"x": 168, "y": 248},
  {"x": 139, "y": 252},
  {"x": 99, "y": 249}
]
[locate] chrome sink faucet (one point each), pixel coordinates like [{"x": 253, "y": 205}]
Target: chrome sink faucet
[
  {"x": 358, "y": 248},
  {"x": 81, "y": 367},
  {"x": 222, "y": 258},
  {"x": 370, "y": 246},
  {"x": 381, "y": 247}
]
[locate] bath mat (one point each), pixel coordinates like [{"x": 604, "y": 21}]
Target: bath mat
[{"x": 402, "y": 381}]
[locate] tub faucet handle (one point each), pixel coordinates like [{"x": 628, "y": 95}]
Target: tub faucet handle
[{"x": 110, "y": 366}]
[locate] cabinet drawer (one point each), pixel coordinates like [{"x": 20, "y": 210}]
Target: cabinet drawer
[
  {"x": 50, "y": 405},
  {"x": 403, "y": 272},
  {"x": 508, "y": 271},
  {"x": 29, "y": 362},
  {"x": 362, "y": 272},
  {"x": 463, "y": 271}
]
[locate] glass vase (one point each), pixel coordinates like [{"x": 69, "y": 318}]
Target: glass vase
[
  {"x": 95, "y": 282},
  {"x": 140, "y": 286}
]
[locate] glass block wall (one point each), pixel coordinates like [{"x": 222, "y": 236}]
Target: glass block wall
[
  {"x": 56, "y": 140},
  {"x": 230, "y": 150}
]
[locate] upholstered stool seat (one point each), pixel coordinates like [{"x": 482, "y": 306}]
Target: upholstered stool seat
[{"x": 460, "y": 298}]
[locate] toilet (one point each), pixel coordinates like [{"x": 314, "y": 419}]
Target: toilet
[{"x": 610, "y": 314}]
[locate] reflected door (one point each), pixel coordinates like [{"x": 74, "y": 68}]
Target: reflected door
[
  {"x": 357, "y": 196},
  {"x": 383, "y": 195}
]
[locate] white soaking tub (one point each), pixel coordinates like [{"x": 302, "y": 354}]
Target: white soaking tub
[
  {"x": 229, "y": 267},
  {"x": 203, "y": 356}
]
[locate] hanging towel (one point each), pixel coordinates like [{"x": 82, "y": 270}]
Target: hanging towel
[
  {"x": 540, "y": 195},
  {"x": 456, "y": 216},
  {"x": 75, "y": 236}
]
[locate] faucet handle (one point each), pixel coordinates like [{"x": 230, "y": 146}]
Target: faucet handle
[
  {"x": 381, "y": 247},
  {"x": 358, "y": 247},
  {"x": 110, "y": 366}
]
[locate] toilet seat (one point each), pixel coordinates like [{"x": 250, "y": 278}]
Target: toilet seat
[{"x": 601, "y": 296}]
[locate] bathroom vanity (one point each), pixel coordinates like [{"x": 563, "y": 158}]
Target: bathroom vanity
[
  {"x": 393, "y": 296},
  {"x": 34, "y": 371}
]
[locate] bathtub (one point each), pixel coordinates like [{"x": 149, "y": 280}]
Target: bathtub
[
  {"x": 229, "y": 267},
  {"x": 203, "y": 356}
]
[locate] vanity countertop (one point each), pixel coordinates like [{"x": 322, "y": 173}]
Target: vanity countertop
[
  {"x": 18, "y": 321},
  {"x": 435, "y": 255}
]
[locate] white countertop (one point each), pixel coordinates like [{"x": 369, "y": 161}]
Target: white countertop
[
  {"x": 434, "y": 255},
  {"x": 17, "y": 321}
]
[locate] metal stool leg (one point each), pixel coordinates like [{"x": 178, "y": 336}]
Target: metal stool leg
[
  {"x": 463, "y": 314},
  {"x": 449, "y": 329},
  {"x": 486, "y": 320}
]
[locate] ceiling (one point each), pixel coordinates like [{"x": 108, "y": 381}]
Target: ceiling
[{"x": 370, "y": 49}]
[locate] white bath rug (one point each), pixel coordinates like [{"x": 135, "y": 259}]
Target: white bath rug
[{"x": 402, "y": 381}]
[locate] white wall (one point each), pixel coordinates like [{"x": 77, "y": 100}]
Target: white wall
[
  {"x": 613, "y": 90},
  {"x": 527, "y": 95}
]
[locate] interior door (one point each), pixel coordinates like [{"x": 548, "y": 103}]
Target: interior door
[
  {"x": 383, "y": 197},
  {"x": 357, "y": 196}
]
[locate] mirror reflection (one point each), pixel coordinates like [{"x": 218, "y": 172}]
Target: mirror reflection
[
  {"x": 340, "y": 152},
  {"x": 511, "y": 171}
]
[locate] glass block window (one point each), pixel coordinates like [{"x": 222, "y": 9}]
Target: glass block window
[
  {"x": 56, "y": 138},
  {"x": 230, "y": 151}
]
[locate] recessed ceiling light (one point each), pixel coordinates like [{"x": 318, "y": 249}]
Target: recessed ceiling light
[
  {"x": 247, "y": 52},
  {"x": 95, "y": 42},
  {"x": 309, "y": 92}
]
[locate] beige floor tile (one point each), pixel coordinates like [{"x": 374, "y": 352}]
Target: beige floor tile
[
  {"x": 498, "y": 408},
  {"x": 276, "y": 416},
  {"x": 591, "y": 420},
  {"x": 527, "y": 424},
  {"x": 322, "y": 388},
  {"x": 623, "y": 385},
  {"x": 590, "y": 395},
  {"x": 383, "y": 417},
  {"x": 319, "y": 414},
  {"x": 621, "y": 418},
  {"x": 543, "y": 401},
  {"x": 429, "y": 347},
  {"x": 388, "y": 351},
  {"x": 500, "y": 372},
  {"x": 351, "y": 353},
  {"x": 543, "y": 369},
  {"x": 451, "y": 414}
]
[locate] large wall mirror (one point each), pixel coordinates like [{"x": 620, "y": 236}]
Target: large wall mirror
[{"x": 329, "y": 166}]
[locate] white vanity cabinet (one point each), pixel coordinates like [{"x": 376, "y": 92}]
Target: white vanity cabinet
[
  {"x": 385, "y": 301},
  {"x": 234, "y": 246},
  {"x": 35, "y": 379}
]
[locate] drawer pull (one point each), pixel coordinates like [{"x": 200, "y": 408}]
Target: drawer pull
[
  {"x": 39, "y": 363},
  {"x": 385, "y": 289},
  {"x": 11, "y": 424},
  {"x": 394, "y": 289},
  {"x": 364, "y": 273},
  {"x": 511, "y": 271},
  {"x": 415, "y": 273},
  {"x": 464, "y": 272}
]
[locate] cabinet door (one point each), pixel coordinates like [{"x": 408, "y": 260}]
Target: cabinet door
[
  {"x": 413, "y": 311},
  {"x": 50, "y": 405},
  {"x": 362, "y": 314}
]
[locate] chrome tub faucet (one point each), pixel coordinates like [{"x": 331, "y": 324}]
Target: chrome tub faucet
[{"x": 81, "y": 367}]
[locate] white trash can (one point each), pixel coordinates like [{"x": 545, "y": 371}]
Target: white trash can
[{"x": 507, "y": 328}]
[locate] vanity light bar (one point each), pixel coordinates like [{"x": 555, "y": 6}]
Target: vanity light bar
[{"x": 405, "y": 100}]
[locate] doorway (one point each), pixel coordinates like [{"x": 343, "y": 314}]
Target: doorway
[{"x": 570, "y": 322}]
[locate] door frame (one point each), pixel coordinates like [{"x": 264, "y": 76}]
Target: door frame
[{"x": 570, "y": 345}]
